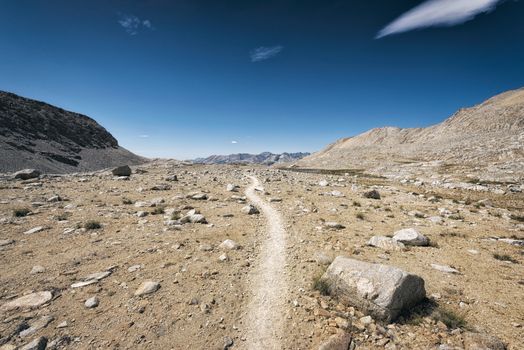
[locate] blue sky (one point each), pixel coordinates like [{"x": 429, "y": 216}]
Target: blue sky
[{"x": 187, "y": 78}]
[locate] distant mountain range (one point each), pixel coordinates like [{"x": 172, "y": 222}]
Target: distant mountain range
[
  {"x": 37, "y": 135},
  {"x": 265, "y": 158}
]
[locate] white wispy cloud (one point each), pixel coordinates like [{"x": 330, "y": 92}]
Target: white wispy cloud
[
  {"x": 234, "y": 142},
  {"x": 433, "y": 13},
  {"x": 133, "y": 25},
  {"x": 144, "y": 136},
  {"x": 263, "y": 53}
]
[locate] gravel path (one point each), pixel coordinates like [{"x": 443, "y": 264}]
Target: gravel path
[{"x": 267, "y": 308}]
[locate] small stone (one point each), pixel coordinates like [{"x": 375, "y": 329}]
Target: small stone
[
  {"x": 250, "y": 210},
  {"x": 37, "y": 269},
  {"x": 5, "y": 242},
  {"x": 323, "y": 183},
  {"x": 444, "y": 268},
  {"x": 223, "y": 257},
  {"x": 228, "y": 244},
  {"x": 340, "y": 341},
  {"x": 92, "y": 302},
  {"x": 54, "y": 199},
  {"x": 147, "y": 288},
  {"x": 334, "y": 225},
  {"x": 63, "y": 325},
  {"x": 373, "y": 194},
  {"x": 232, "y": 188},
  {"x": 34, "y": 230}
]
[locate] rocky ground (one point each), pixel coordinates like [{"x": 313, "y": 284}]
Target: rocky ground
[{"x": 96, "y": 261}]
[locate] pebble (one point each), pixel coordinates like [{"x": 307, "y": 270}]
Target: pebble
[
  {"x": 92, "y": 302},
  {"x": 147, "y": 287}
]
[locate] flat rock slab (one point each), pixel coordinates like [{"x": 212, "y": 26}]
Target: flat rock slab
[
  {"x": 28, "y": 301},
  {"x": 34, "y": 230},
  {"x": 379, "y": 290},
  {"x": 385, "y": 243}
]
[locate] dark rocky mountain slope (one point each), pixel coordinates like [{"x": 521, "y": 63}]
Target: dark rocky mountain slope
[{"x": 37, "y": 135}]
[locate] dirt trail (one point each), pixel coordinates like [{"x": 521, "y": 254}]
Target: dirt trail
[{"x": 267, "y": 308}]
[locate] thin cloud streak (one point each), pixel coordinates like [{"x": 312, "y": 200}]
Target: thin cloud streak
[
  {"x": 438, "y": 13},
  {"x": 263, "y": 53}
]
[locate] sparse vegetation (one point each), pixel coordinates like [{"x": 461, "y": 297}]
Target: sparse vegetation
[
  {"x": 158, "y": 210},
  {"x": 360, "y": 216},
  {"x": 320, "y": 285},
  {"x": 61, "y": 217},
  {"x": 20, "y": 213},
  {"x": 356, "y": 204},
  {"x": 456, "y": 217},
  {"x": 176, "y": 215},
  {"x": 429, "y": 308},
  {"x": 92, "y": 225},
  {"x": 127, "y": 201},
  {"x": 515, "y": 217},
  {"x": 505, "y": 257}
]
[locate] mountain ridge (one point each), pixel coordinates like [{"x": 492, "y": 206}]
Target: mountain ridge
[
  {"x": 264, "y": 158},
  {"x": 35, "y": 134},
  {"x": 490, "y": 133}
]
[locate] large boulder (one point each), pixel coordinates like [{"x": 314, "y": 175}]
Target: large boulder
[
  {"x": 26, "y": 174},
  {"x": 123, "y": 170},
  {"x": 379, "y": 290}
]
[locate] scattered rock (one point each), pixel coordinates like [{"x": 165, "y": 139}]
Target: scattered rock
[
  {"x": 373, "y": 194},
  {"x": 5, "y": 242},
  {"x": 386, "y": 243},
  {"x": 26, "y": 174},
  {"x": 250, "y": 210},
  {"x": 229, "y": 244},
  {"x": 411, "y": 236},
  {"x": 123, "y": 170},
  {"x": 37, "y": 344},
  {"x": 232, "y": 188},
  {"x": 379, "y": 290},
  {"x": 148, "y": 287},
  {"x": 37, "y": 269},
  {"x": 444, "y": 268},
  {"x": 34, "y": 327},
  {"x": 92, "y": 302},
  {"x": 334, "y": 225},
  {"x": 338, "y": 341},
  {"x": 28, "y": 301},
  {"x": 34, "y": 230}
]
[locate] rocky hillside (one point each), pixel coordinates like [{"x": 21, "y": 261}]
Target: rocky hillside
[
  {"x": 489, "y": 134},
  {"x": 265, "y": 158},
  {"x": 37, "y": 135}
]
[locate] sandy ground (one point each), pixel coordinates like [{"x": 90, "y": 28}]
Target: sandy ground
[{"x": 261, "y": 293}]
